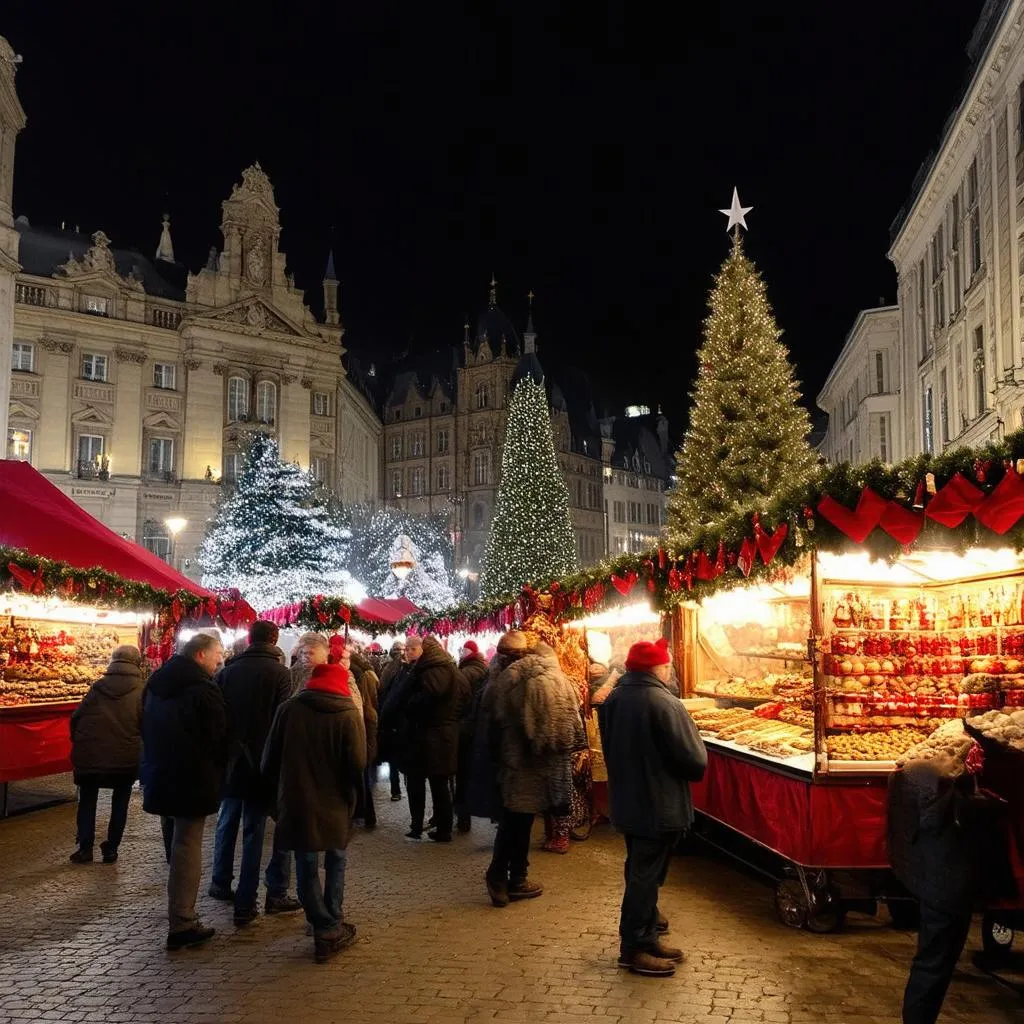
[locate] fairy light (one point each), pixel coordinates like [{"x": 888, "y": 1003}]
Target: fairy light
[{"x": 531, "y": 536}]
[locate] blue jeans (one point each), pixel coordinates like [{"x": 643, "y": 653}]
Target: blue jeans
[
  {"x": 323, "y": 906},
  {"x": 253, "y": 819}
]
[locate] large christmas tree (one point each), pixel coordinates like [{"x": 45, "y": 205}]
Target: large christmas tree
[
  {"x": 274, "y": 536},
  {"x": 531, "y": 538},
  {"x": 748, "y": 432}
]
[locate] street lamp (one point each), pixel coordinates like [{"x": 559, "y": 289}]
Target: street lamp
[
  {"x": 403, "y": 559},
  {"x": 175, "y": 524}
]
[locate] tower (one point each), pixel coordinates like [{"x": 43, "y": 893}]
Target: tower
[
  {"x": 529, "y": 335},
  {"x": 12, "y": 120},
  {"x": 165, "y": 250},
  {"x": 331, "y": 292}
]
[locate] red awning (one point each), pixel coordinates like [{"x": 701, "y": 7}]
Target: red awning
[
  {"x": 388, "y": 610},
  {"x": 42, "y": 519}
]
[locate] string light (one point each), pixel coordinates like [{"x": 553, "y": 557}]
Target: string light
[
  {"x": 748, "y": 432},
  {"x": 531, "y": 537}
]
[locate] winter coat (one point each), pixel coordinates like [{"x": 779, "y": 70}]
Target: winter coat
[
  {"x": 392, "y": 724},
  {"x": 434, "y": 694},
  {"x": 255, "y": 684},
  {"x": 184, "y": 741},
  {"x": 368, "y": 686},
  {"x": 388, "y": 673},
  {"x": 474, "y": 672},
  {"x": 653, "y": 752},
  {"x": 106, "y": 728},
  {"x": 313, "y": 767},
  {"x": 528, "y": 728},
  {"x": 946, "y": 845}
]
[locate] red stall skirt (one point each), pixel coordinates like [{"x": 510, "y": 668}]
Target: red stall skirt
[{"x": 35, "y": 740}]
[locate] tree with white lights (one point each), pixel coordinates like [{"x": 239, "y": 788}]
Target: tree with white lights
[{"x": 274, "y": 536}]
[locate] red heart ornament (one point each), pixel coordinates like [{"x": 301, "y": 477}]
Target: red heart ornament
[
  {"x": 624, "y": 584},
  {"x": 1004, "y": 506},
  {"x": 856, "y": 524},
  {"x": 955, "y": 501},
  {"x": 902, "y": 524},
  {"x": 768, "y": 544}
]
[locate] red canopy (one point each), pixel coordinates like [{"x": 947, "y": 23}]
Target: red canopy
[
  {"x": 43, "y": 520},
  {"x": 387, "y": 609}
]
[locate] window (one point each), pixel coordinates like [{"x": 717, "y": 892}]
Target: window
[
  {"x": 396, "y": 483},
  {"x": 619, "y": 511},
  {"x": 879, "y": 373},
  {"x": 238, "y": 398},
  {"x": 96, "y": 304},
  {"x": 954, "y": 248},
  {"x": 266, "y": 401},
  {"x": 418, "y": 443},
  {"x": 90, "y": 449},
  {"x": 442, "y": 442},
  {"x": 922, "y": 319},
  {"x": 21, "y": 356},
  {"x": 478, "y": 517},
  {"x": 634, "y": 511},
  {"x": 397, "y": 415},
  {"x": 481, "y": 466},
  {"x": 416, "y": 482},
  {"x": 938, "y": 279},
  {"x": 94, "y": 367},
  {"x": 980, "y": 397},
  {"x": 443, "y": 478},
  {"x": 321, "y": 403},
  {"x": 318, "y": 468},
  {"x": 1020, "y": 117},
  {"x": 619, "y": 543},
  {"x": 19, "y": 444},
  {"x": 232, "y": 463},
  {"x": 883, "y": 438},
  {"x": 974, "y": 217},
  {"x": 417, "y": 412},
  {"x": 928, "y": 432},
  {"x": 164, "y": 375},
  {"x": 155, "y": 539},
  {"x": 483, "y": 396},
  {"x": 396, "y": 448},
  {"x": 943, "y": 408},
  {"x": 443, "y": 406},
  {"x": 161, "y": 455},
  {"x": 961, "y": 384}
]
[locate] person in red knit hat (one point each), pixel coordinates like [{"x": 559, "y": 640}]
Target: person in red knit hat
[{"x": 653, "y": 752}]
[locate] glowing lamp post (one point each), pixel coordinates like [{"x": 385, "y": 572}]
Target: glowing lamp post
[{"x": 175, "y": 524}]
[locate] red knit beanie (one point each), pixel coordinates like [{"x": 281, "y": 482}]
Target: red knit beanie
[
  {"x": 644, "y": 656},
  {"x": 471, "y": 646}
]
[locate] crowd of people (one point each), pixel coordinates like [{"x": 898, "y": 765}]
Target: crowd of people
[{"x": 253, "y": 739}]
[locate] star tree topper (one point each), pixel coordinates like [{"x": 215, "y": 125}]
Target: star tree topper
[{"x": 736, "y": 213}]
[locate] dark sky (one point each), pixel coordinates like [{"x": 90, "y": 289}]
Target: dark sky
[{"x": 580, "y": 150}]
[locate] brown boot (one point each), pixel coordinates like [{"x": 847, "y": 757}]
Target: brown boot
[
  {"x": 524, "y": 889},
  {"x": 662, "y": 925},
  {"x": 663, "y": 952},
  {"x": 639, "y": 961},
  {"x": 497, "y": 889}
]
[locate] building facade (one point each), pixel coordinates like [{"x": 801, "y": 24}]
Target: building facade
[
  {"x": 959, "y": 257},
  {"x": 134, "y": 383},
  {"x": 444, "y": 431},
  {"x": 862, "y": 392}
]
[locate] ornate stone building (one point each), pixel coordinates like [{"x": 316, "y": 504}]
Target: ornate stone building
[
  {"x": 134, "y": 383},
  {"x": 444, "y": 430}
]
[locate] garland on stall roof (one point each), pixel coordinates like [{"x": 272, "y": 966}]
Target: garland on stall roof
[
  {"x": 964, "y": 498},
  {"x": 321, "y": 613}
]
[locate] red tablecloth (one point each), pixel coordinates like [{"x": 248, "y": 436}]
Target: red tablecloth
[
  {"x": 833, "y": 825},
  {"x": 35, "y": 741}
]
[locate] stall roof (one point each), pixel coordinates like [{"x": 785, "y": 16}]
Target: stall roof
[
  {"x": 387, "y": 609},
  {"x": 42, "y": 519}
]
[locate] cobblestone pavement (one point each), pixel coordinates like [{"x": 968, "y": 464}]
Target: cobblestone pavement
[{"x": 86, "y": 943}]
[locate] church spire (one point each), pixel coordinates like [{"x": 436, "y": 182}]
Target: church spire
[
  {"x": 493, "y": 298},
  {"x": 165, "y": 250},
  {"x": 529, "y": 335},
  {"x": 331, "y": 292}
]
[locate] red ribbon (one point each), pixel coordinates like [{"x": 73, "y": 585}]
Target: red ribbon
[{"x": 26, "y": 580}]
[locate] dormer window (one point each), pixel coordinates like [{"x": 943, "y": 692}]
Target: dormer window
[
  {"x": 96, "y": 304},
  {"x": 398, "y": 415},
  {"x": 417, "y": 412}
]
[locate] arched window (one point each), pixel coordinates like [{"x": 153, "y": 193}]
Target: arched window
[
  {"x": 238, "y": 398},
  {"x": 483, "y": 395},
  {"x": 266, "y": 401}
]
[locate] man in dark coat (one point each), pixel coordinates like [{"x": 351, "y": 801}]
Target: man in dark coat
[
  {"x": 313, "y": 765},
  {"x": 473, "y": 667},
  {"x": 184, "y": 754},
  {"x": 106, "y": 744},
  {"x": 389, "y": 672},
  {"x": 653, "y": 752},
  {"x": 430, "y": 707},
  {"x": 255, "y": 684}
]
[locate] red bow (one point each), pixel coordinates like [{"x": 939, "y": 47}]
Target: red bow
[{"x": 33, "y": 584}]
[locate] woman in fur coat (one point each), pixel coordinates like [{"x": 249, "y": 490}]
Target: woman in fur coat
[{"x": 528, "y": 729}]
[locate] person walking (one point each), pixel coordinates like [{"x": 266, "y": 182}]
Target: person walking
[
  {"x": 312, "y": 767},
  {"x": 368, "y": 686},
  {"x": 255, "y": 684},
  {"x": 184, "y": 755},
  {"x": 473, "y": 667},
  {"x": 528, "y": 728},
  {"x": 106, "y": 744},
  {"x": 389, "y": 672},
  {"x": 653, "y": 752},
  {"x": 430, "y": 708},
  {"x": 393, "y": 726}
]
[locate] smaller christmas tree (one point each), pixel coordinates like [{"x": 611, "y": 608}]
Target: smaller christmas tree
[
  {"x": 274, "y": 536},
  {"x": 748, "y": 431},
  {"x": 531, "y": 538}
]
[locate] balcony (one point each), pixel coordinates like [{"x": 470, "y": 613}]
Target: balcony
[
  {"x": 169, "y": 319},
  {"x": 93, "y": 469},
  {"x": 30, "y": 295}
]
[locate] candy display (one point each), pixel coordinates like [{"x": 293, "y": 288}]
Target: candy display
[
  {"x": 788, "y": 688},
  {"x": 948, "y": 740},
  {"x": 878, "y": 745},
  {"x": 762, "y": 729}
]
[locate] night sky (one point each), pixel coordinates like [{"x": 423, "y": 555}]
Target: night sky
[{"x": 581, "y": 150}]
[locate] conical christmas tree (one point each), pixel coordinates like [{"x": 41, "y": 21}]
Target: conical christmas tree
[
  {"x": 748, "y": 432},
  {"x": 531, "y": 538},
  {"x": 274, "y": 537}
]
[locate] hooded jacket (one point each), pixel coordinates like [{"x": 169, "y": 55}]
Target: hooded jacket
[
  {"x": 433, "y": 697},
  {"x": 528, "y": 728},
  {"x": 184, "y": 741},
  {"x": 653, "y": 752},
  {"x": 255, "y": 684},
  {"x": 313, "y": 764},
  {"x": 106, "y": 728}
]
